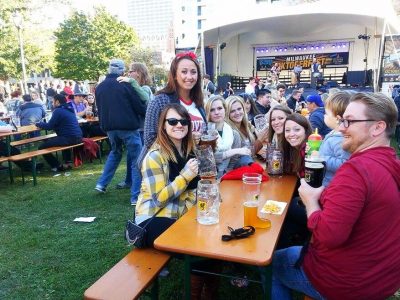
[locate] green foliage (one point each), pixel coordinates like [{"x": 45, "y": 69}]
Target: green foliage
[
  {"x": 10, "y": 59},
  {"x": 85, "y": 44},
  {"x": 147, "y": 56}
]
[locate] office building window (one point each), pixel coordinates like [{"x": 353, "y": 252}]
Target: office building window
[
  {"x": 183, "y": 36},
  {"x": 199, "y": 10},
  {"x": 183, "y": 8},
  {"x": 198, "y": 24}
]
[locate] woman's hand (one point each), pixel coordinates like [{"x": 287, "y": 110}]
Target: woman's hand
[
  {"x": 123, "y": 79},
  {"x": 196, "y": 136},
  {"x": 310, "y": 196},
  {"x": 193, "y": 166},
  {"x": 262, "y": 135}
]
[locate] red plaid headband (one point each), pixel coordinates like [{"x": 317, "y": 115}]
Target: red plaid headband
[{"x": 186, "y": 54}]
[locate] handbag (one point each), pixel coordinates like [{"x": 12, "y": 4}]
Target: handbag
[{"x": 136, "y": 235}]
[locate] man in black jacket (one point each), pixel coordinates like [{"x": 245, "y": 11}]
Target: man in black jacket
[{"x": 120, "y": 108}]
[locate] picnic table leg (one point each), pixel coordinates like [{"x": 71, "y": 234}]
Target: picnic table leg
[
  {"x": 8, "y": 145},
  {"x": 154, "y": 289},
  {"x": 10, "y": 172},
  {"x": 34, "y": 170},
  {"x": 266, "y": 280},
  {"x": 187, "y": 276}
]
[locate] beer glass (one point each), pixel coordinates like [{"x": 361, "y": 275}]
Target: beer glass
[
  {"x": 260, "y": 122},
  {"x": 207, "y": 165},
  {"x": 251, "y": 183},
  {"x": 207, "y": 202}
]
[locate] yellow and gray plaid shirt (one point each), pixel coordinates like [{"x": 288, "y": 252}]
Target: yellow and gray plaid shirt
[{"x": 157, "y": 190}]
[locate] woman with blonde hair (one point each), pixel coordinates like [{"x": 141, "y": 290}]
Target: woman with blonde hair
[
  {"x": 229, "y": 148},
  {"x": 236, "y": 117}
]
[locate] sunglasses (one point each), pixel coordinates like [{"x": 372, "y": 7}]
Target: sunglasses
[{"x": 174, "y": 122}]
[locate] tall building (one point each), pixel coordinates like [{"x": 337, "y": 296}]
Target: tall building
[
  {"x": 168, "y": 25},
  {"x": 153, "y": 22}
]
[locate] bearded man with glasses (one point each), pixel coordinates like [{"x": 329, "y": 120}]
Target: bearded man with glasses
[{"x": 355, "y": 244}]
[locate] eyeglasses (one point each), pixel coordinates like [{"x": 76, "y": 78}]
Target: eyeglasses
[
  {"x": 347, "y": 123},
  {"x": 174, "y": 122}
]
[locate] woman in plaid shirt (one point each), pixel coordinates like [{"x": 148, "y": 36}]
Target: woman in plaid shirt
[{"x": 169, "y": 172}]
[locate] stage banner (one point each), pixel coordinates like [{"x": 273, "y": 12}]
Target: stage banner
[
  {"x": 391, "y": 67},
  {"x": 287, "y": 62}
]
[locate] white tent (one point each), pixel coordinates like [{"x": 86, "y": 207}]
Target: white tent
[{"x": 244, "y": 26}]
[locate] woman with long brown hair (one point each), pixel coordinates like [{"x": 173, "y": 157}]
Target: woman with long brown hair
[
  {"x": 169, "y": 173},
  {"x": 297, "y": 130},
  {"x": 184, "y": 87}
]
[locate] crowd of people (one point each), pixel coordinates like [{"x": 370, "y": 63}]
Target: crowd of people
[{"x": 339, "y": 241}]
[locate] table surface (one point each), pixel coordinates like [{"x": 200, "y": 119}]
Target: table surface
[
  {"x": 187, "y": 236},
  {"x": 22, "y": 129}
]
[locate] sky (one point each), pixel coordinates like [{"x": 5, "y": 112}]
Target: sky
[{"x": 115, "y": 7}]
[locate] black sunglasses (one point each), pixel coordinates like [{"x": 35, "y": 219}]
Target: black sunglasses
[{"x": 174, "y": 122}]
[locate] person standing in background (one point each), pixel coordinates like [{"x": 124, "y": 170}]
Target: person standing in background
[
  {"x": 120, "y": 108},
  {"x": 139, "y": 79},
  {"x": 208, "y": 86},
  {"x": 315, "y": 73}
]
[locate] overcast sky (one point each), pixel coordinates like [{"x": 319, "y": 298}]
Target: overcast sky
[{"x": 115, "y": 7}]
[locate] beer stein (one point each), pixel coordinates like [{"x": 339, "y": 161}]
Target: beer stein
[{"x": 207, "y": 202}]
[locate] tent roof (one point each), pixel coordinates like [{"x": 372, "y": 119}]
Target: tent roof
[{"x": 285, "y": 23}]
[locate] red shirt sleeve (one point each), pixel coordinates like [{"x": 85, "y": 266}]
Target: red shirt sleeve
[{"x": 341, "y": 204}]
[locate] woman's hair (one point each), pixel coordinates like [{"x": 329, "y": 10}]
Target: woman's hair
[
  {"x": 271, "y": 132},
  {"x": 244, "y": 128},
  {"x": 253, "y": 108},
  {"x": 196, "y": 93},
  {"x": 164, "y": 142},
  {"x": 292, "y": 159},
  {"x": 210, "y": 103},
  {"x": 60, "y": 98},
  {"x": 15, "y": 94},
  {"x": 141, "y": 69},
  {"x": 338, "y": 102}
]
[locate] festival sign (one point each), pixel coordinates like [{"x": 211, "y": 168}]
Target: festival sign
[
  {"x": 391, "y": 67},
  {"x": 288, "y": 62}
]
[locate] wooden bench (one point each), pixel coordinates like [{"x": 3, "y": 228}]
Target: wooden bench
[
  {"x": 34, "y": 154},
  {"x": 130, "y": 277},
  {"x": 33, "y": 140}
]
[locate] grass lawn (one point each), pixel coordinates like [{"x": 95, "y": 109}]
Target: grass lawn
[{"x": 45, "y": 255}]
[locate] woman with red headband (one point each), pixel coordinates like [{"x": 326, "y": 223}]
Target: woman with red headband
[{"x": 184, "y": 87}]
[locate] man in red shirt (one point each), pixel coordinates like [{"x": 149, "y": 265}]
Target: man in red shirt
[{"x": 355, "y": 244}]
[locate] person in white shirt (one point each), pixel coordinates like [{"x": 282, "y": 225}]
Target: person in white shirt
[{"x": 250, "y": 87}]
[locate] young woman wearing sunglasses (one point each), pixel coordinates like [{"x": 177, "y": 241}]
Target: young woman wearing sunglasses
[{"x": 169, "y": 172}]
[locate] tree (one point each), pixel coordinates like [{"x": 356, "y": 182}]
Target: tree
[
  {"x": 147, "y": 56},
  {"x": 35, "y": 58},
  {"x": 86, "y": 44}
]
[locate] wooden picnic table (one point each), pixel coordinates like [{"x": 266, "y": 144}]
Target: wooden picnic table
[
  {"x": 8, "y": 135},
  {"x": 186, "y": 236}
]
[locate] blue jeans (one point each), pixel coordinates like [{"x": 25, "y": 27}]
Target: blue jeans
[
  {"x": 128, "y": 176},
  {"x": 286, "y": 277},
  {"x": 117, "y": 138}
]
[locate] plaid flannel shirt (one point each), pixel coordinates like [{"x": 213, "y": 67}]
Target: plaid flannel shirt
[{"x": 157, "y": 191}]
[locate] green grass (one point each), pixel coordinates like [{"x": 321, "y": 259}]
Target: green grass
[{"x": 45, "y": 255}]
